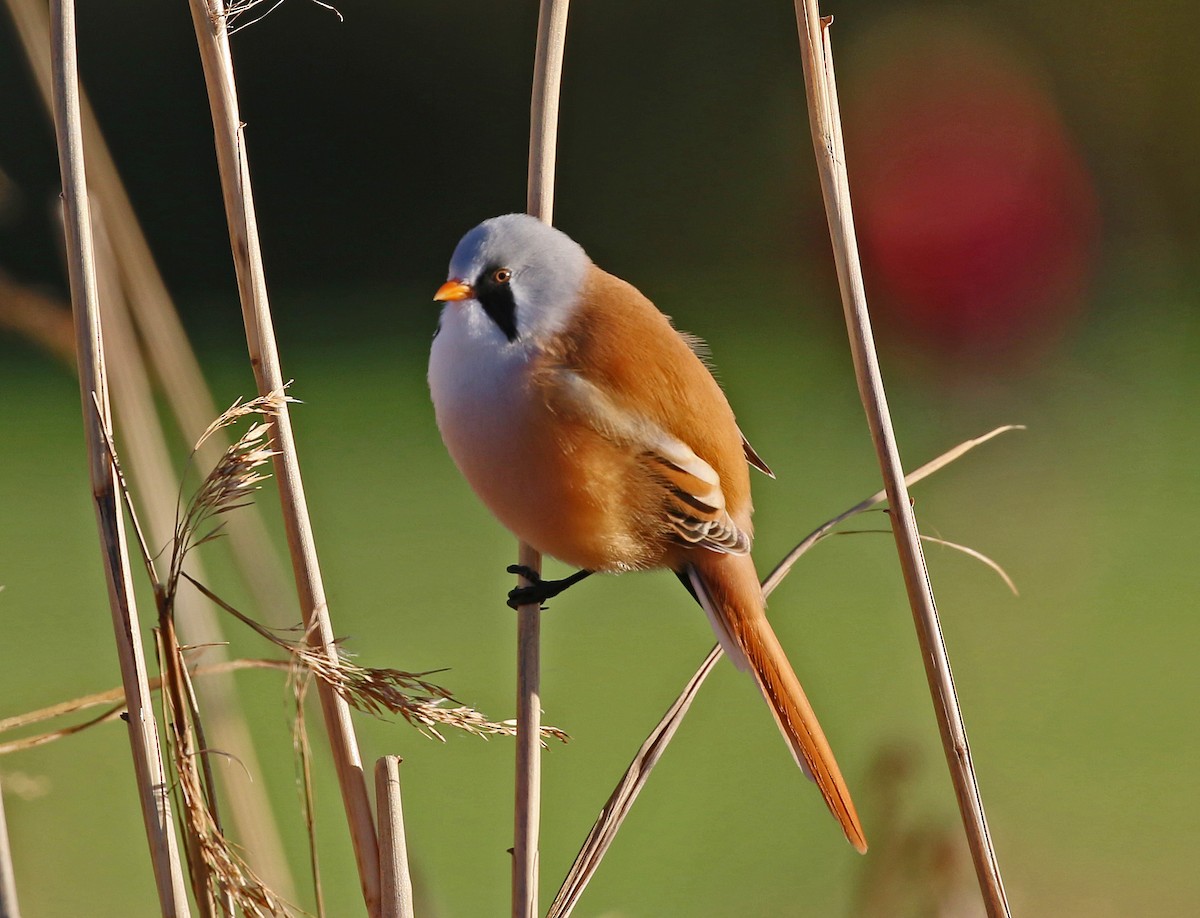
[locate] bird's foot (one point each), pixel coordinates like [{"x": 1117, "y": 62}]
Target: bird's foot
[{"x": 539, "y": 590}]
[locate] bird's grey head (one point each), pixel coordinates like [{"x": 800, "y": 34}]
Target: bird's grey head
[{"x": 525, "y": 275}]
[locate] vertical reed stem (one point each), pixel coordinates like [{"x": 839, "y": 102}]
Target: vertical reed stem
[
  {"x": 143, "y": 730},
  {"x": 528, "y": 800},
  {"x": 543, "y": 141},
  {"x": 395, "y": 882},
  {"x": 543, "y": 113},
  {"x": 9, "y": 908},
  {"x": 213, "y": 40},
  {"x": 825, "y": 121}
]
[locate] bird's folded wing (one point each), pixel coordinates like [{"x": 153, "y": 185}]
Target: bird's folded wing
[
  {"x": 695, "y": 503},
  {"x": 754, "y": 458}
]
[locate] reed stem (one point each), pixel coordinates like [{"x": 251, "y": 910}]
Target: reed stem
[
  {"x": 395, "y": 882},
  {"x": 543, "y": 141},
  {"x": 209, "y": 19},
  {"x": 527, "y": 802},
  {"x": 143, "y": 730},
  {"x": 825, "y": 121},
  {"x": 9, "y": 907}
]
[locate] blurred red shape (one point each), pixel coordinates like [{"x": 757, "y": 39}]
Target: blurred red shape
[{"x": 977, "y": 216}]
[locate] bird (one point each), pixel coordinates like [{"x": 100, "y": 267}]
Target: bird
[{"x": 595, "y": 432}]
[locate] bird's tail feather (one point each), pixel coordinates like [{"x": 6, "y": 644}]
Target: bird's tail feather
[{"x": 728, "y": 589}]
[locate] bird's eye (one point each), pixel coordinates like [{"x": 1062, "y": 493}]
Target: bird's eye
[{"x": 502, "y": 275}]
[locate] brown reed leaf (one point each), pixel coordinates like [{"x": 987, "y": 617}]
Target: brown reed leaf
[
  {"x": 112, "y": 696},
  {"x": 41, "y": 739},
  {"x": 945, "y": 543}
]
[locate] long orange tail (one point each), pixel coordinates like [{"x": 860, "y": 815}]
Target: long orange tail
[{"x": 728, "y": 589}]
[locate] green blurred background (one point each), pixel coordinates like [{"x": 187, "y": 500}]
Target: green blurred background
[{"x": 1029, "y": 206}]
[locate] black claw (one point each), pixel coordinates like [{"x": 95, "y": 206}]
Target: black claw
[
  {"x": 527, "y": 572},
  {"x": 539, "y": 590},
  {"x": 524, "y": 596}
]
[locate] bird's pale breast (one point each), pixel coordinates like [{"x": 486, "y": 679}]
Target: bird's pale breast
[{"x": 550, "y": 482}]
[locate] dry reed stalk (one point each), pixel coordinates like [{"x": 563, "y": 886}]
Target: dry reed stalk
[
  {"x": 174, "y": 364},
  {"x": 125, "y": 385},
  {"x": 543, "y": 141},
  {"x": 134, "y": 286},
  {"x": 148, "y": 453},
  {"x": 527, "y": 800},
  {"x": 9, "y": 907},
  {"x": 621, "y": 801},
  {"x": 111, "y": 696},
  {"x": 395, "y": 882},
  {"x": 825, "y": 121},
  {"x": 208, "y": 18},
  {"x": 543, "y": 109},
  {"x": 143, "y": 731}
]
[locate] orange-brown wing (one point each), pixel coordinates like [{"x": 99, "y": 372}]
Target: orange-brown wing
[
  {"x": 630, "y": 351},
  {"x": 690, "y": 491}
]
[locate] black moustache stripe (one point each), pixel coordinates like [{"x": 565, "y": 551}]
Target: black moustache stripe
[{"x": 497, "y": 301}]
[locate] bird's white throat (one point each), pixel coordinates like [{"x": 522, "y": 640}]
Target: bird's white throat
[{"x": 476, "y": 379}]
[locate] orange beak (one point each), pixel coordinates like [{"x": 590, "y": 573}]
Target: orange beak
[{"x": 453, "y": 291}]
